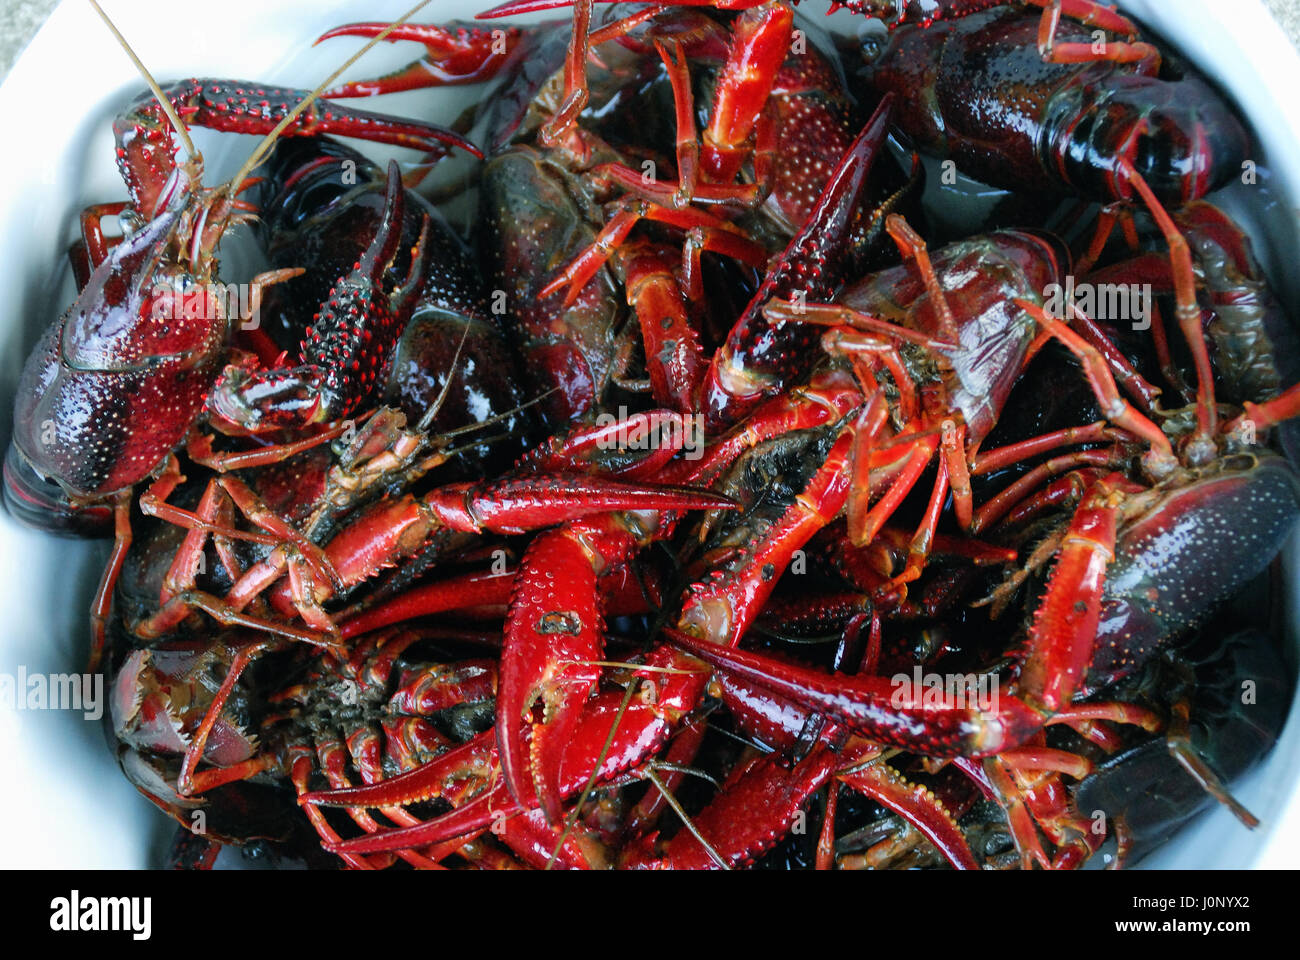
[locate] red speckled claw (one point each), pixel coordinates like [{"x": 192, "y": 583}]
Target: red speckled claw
[
  {"x": 759, "y": 356},
  {"x": 347, "y": 347},
  {"x": 146, "y": 145},
  {"x": 755, "y": 809},
  {"x": 455, "y": 56},
  {"x": 553, "y": 640},
  {"x": 881, "y": 709}
]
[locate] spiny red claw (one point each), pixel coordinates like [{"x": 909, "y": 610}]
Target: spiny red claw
[
  {"x": 553, "y": 640},
  {"x": 454, "y": 57}
]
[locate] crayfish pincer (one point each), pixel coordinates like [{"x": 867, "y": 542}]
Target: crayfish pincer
[
  {"x": 1191, "y": 548},
  {"x": 321, "y": 203},
  {"x": 346, "y": 350}
]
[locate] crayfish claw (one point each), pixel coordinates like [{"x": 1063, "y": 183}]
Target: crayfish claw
[
  {"x": 454, "y": 56},
  {"x": 553, "y": 641}
]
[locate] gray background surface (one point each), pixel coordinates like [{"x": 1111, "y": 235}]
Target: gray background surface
[
  {"x": 1287, "y": 13},
  {"x": 19, "y": 23},
  {"x": 20, "y": 19}
]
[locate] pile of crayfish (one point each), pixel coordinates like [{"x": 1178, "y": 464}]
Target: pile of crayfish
[{"x": 714, "y": 503}]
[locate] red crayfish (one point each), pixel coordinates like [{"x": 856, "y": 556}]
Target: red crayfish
[{"x": 817, "y": 417}]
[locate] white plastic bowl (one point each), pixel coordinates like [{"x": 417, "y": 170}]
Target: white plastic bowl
[{"x": 66, "y": 804}]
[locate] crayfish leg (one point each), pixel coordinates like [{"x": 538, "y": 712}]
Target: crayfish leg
[
  {"x": 1188, "y": 314},
  {"x": 1093, "y": 15},
  {"x": 1160, "y": 460},
  {"x": 102, "y": 605}
]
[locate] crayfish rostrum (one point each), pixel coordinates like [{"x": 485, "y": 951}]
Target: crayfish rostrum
[{"x": 705, "y": 478}]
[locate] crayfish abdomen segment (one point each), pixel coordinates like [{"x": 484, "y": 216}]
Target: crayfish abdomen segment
[{"x": 1180, "y": 137}]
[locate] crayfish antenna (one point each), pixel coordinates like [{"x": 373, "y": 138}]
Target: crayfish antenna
[
  {"x": 429, "y": 415},
  {"x": 163, "y": 102},
  {"x": 1180, "y": 748},
  {"x": 498, "y": 418}
]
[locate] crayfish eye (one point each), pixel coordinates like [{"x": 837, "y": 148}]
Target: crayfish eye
[
  {"x": 873, "y": 38},
  {"x": 129, "y": 221}
]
